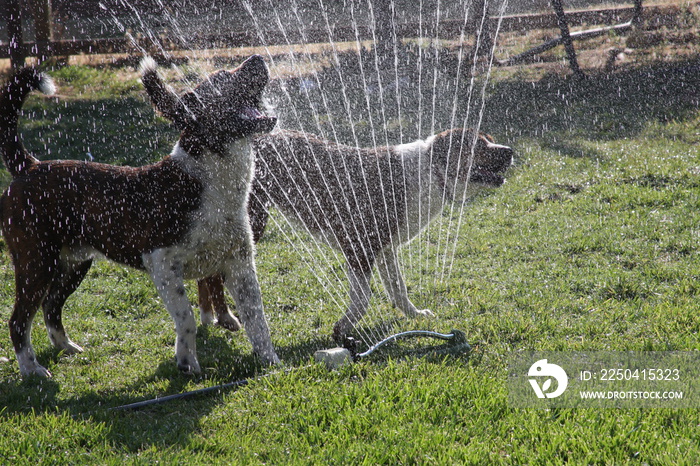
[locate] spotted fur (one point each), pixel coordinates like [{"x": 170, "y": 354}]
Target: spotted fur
[
  {"x": 182, "y": 217},
  {"x": 365, "y": 202}
]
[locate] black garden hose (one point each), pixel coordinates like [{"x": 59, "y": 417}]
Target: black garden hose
[{"x": 456, "y": 344}]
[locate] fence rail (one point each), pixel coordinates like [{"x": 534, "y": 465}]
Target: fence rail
[{"x": 448, "y": 29}]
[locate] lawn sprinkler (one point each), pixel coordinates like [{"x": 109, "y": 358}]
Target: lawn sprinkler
[{"x": 456, "y": 344}]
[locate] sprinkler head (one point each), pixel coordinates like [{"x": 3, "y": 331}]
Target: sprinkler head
[
  {"x": 334, "y": 357},
  {"x": 350, "y": 344}
]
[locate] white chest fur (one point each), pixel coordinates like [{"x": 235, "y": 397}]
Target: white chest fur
[{"x": 221, "y": 224}]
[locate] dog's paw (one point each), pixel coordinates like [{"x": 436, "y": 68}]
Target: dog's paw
[
  {"x": 29, "y": 366},
  {"x": 415, "y": 313},
  {"x": 271, "y": 359},
  {"x": 40, "y": 371},
  {"x": 60, "y": 340},
  {"x": 35, "y": 370},
  {"x": 229, "y": 322},
  {"x": 71, "y": 348},
  {"x": 189, "y": 366},
  {"x": 207, "y": 317}
]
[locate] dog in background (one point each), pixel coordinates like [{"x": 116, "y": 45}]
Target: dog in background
[
  {"x": 364, "y": 202},
  {"x": 183, "y": 217}
]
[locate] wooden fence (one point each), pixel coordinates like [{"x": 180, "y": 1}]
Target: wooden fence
[{"x": 43, "y": 46}]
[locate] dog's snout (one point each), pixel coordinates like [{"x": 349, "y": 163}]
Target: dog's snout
[
  {"x": 507, "y": 154},
  {"x": 503, "y": 155}
]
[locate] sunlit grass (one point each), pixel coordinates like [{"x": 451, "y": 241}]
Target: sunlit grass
[{"x": 592, "y": 244}]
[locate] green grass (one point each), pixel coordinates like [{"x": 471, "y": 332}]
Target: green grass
[{"x": 592, "y": 244}]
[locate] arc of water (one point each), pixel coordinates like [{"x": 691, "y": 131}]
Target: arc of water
[
  {"x": 369, "y": 116},
  {"x": 310, "y": 208},
  {"x": 501, "y": 13},
  {"x": 391, "y": 175},
  {"x": 348, "y": 106},
  {"x": 335, "y": 170},
  {"x": 453, "y": 117},
  {"x": 421, "y": 183},
  {"x": 419, "y": 128},
  {"x": 399, "y": 115},
  {"x": 326, "y": 106},
  {"x": 292, "y": 56}
]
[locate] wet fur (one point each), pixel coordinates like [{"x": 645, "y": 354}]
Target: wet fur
[
  {"x": 182, "y": 217},
  {"x": 364, "y": 202}
]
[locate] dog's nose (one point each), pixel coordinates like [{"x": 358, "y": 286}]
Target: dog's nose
[
  {"x": 503, "y": 154},
  {"x": 508, "y": 154}
]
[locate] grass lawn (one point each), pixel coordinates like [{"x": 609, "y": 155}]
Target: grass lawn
[{"x": 592, "y": 244}]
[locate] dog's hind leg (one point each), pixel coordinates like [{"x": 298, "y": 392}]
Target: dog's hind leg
[
  {"x": 211, "y": 289},
  {"x": 390, "y": 273},
  {"x": 206, "y": 306},
  {"x": 168, "y": 276},
  {"x": 242, "y": 283},
  {"x": 212, "y": 300},
  {"x": 66, "y": 281},
  {"x": 32, "y": 282},
  {"x": 360, "y": 293}
]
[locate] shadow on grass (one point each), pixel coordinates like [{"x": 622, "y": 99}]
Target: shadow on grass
[
  {"x": 160, "y": 424},
  {"x": 603, "y": 107}
]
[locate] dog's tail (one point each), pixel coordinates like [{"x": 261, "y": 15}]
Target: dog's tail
[{"x": 12, "y": 96}]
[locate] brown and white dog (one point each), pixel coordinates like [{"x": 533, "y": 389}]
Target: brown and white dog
[
  {"x": 364, "y": 202},
  {"x": 183, "y": 217}
]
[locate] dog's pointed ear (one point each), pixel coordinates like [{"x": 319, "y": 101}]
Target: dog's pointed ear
[
  {"x": 162, "y": 96},
  {"x": 444, "y": 144}
]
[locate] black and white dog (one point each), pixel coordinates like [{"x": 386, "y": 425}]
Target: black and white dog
[
  {"x": 364, "y": 202},
  {"x": 183, "y": 217}
]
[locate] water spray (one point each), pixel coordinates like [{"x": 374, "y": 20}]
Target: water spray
[{"x": 462, "y": 107}]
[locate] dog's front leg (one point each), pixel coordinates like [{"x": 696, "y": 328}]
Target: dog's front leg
[
  {"x": 168, "y": 276},
  {"x": 242, "y": 282},
  {"x": 360, "y": 293},
  {"x": 388, "y": 265}
]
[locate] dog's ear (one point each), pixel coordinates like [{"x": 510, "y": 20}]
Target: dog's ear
[
  {"x": 449, "y": 145},
  {"x": 163, "y": 97}
]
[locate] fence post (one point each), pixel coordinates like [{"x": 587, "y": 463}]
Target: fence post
[
  {"x": 481, "y": 23},
  {"x": 14, "y": 32},
  {"x": 384, "y": 32},
  {"x": 566, "y": 38},
  {"x": 637, "y": 16},
  {"x": 41, "y": 10}
]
